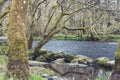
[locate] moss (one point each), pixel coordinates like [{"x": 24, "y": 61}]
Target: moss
[
  {"x": 68, "y": 58},
  {"x": 82, "y": 59},
  {"x": 17, "y": 42},
  {"x": 49, "y": 57},
  {"x": 58, "y": 61},
  {"x": 41, "y": 59},
  {"x": 102, "y": 60}
]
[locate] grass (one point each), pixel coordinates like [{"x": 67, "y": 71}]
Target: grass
[
  {"x": 3, "y": 67},
  {"x": 32, "y": 77},
  {"x": 35, "y": 72},
  {"x": 101, "y": 78},
  {"x": 36, "y": 77},
  {"x": 65, "y": 37},
  {"x": 84, "y": 37}
]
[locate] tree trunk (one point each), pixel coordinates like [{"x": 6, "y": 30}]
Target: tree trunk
[
  {"x": 116, "y": 70},
  {"x": 43, "y": 41},
  {"x": 30, "y": 40},
  {"x": 93, "y": 35},
  {"x": 18, "y": 47}
]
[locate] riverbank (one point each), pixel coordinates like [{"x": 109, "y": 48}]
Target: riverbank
[{"x": 82, "y": 37}]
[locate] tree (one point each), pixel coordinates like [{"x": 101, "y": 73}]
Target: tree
[
  {"x": 116, "y": 70},
  {"x": 17, "y": 42},
  {"x": 33, "y": 9},
  {"x": 58, "y": 17}
]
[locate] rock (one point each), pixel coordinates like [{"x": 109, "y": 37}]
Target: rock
[
  {"x": 80, "y": 59},
  {"x": 111, "y": 63},
  {"x": 43, "y": 51},
  {"x": 49, "y": 57},
  {"x": 104, "y": 62},
  {"x": 59, "y": 54},
  {"x": 68, "y": 58},
  {"x": 101, "y": 60},
  {"x": 3, "y": 39},
  {"x": 59, "y": 61},
  {"x": 41, "y": 59}
]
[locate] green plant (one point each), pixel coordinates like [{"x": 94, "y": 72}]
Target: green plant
[
  {"x": 36, "y": 77},
  {"x": 4, "y": 49},
  {"x": 101, "y": 78}
]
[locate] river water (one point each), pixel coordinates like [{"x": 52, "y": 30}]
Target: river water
[{"x": 93, "y": 49}]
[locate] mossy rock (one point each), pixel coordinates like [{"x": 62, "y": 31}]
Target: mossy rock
[
  {"x": 80, "y": 59},
  {"x": 59, "y": 55},
  {"x": 46, "y": 57},
  {"x": 59, "y": 61},
  {"x": 68, "y": 58},
  {"x": 49, "y": 57},
  {"x": 43, "y": 51},
  {"x": 102, "y": 60},
  {"x": 41, "y": 59}
]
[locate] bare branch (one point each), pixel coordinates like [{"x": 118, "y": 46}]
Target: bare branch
[
  {"x": 4, "y": 13},
  {"x": 81, "y": 28}
]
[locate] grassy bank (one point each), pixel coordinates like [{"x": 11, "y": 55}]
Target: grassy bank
[{"x": 82, "y": 37}]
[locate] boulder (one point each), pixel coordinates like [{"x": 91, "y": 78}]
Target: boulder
[
  {"x": 68, "y": 58},
  {"x": 41, "y": 52},
  {"x": 80, "y": 59},
  {"x": 101, "y": 60},
  {"x": 49, "y": 57},
  {"x": 104, "y": 62},
  {"x": 59, "y": 61}
]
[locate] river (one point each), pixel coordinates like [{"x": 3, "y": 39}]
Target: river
[{"x": 93, "y": 49}]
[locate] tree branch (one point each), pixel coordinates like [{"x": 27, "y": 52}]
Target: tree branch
[
  {"x": 81, "y": 28},
  {"x": 4, "y": 13}
]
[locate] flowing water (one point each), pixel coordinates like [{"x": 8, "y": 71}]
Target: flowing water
[{"x": 91, "y": 49}]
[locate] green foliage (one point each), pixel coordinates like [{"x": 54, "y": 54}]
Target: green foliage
[
  {"x": 3, "y": 67},
  {"x": 36, "y": 37},
  {"x": 81, "y": 37},
  {"x": 36, "y": 77},
  {"x": 110, "y": 37},
  {"x": 32, "y": 77},
  {"x": 101, "y": 78},
  {"x": 4, "y": 49},
  {"x": 3, "y": 76}
]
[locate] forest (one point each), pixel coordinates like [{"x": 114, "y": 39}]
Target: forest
[{"x": 59, "y": 39}]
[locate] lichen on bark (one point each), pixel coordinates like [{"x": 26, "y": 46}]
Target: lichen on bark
[{"x": 17, "y": 41}]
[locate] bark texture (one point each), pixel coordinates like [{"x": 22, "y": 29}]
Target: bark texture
[
  {"x": 18, "y": 47},
  {"x": 116, "y": 70}
]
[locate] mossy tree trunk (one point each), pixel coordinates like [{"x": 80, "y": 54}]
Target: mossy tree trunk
[
  {"x": 18, "y": 47},
  {"x": 116, "y": 70}
]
